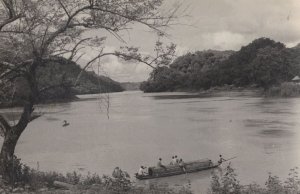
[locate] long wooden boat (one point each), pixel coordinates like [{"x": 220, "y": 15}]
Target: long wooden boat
[{"x": 171, "y": 170}]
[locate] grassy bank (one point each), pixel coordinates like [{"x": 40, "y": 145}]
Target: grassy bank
[
  {"x": 27, "y": 180},
  {"x": 229, "y": 183},
  {"x": 286, "y": 89}
]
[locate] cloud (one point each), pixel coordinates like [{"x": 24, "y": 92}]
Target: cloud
[
  {"x": 223, "y": 40},
  {"x": 125, "y": 71},
  {"x": 243, "y": 19},
  {"x": 212, "y": 24},
  {"x": 114, "y": 67}
]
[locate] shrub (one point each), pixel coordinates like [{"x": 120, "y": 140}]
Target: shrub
[
  {"x": 227, "y": 183},
  {"x": 286, "y": 89},
  {"x": 33, "y": 180}
]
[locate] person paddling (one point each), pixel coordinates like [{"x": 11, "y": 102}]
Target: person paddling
[{"x": 221, "y": 159}]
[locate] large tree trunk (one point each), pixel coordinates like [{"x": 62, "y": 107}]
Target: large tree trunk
[
  {"x": 27, "y": 92},
  {"x": 7, "y": 155},
  {"x": 11, "y": 137}
]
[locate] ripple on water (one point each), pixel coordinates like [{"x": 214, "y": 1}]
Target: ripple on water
[
  {"x": 52, "y": 119},
  {"x": 266, "y": 123},
  {"x": 205, "y": 110},
  {"x": 275, "y": 133},
  {"x": 270, "y": 128}
]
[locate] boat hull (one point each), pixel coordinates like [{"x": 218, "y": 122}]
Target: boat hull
[{"x": 172, "y": 170}]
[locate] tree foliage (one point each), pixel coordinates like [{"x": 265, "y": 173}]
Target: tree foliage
[
  {"x": 262, "y": 63},
  {"x": 228, "y": 183},
  {"x": 34, "y": 33}
]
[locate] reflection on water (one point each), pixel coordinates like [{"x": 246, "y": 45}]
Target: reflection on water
[{"x": 263, "y": 133}]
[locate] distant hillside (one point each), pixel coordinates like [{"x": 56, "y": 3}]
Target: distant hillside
[
  {"x": 64, "y": 74},
  {"x": 56, "y": 81},
  {"x": 131, "y": 85},
  {"x": 262, "y": 63}
]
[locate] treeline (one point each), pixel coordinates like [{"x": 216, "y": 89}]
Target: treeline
[
  {"x": 262, "y": 63},
  {"x": 59, "y": 79},
  {"x": 56, "y": 83}
]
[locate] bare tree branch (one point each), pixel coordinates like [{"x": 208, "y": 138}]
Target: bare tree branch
[
  {"x": 64, "y": 8},
  {"x": 75, "y": 50},
  {"x": 12, "y": 16}
]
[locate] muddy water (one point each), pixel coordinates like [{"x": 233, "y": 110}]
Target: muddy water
[{"x": 264, "y": 134}]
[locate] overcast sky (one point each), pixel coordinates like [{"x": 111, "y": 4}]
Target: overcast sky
[{"x": 211, "y": 24}]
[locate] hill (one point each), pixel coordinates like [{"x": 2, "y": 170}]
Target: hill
[
  {"x": 65, "y": 73},
  {"x": 56, "y": 83},
  {"x": 262, "y": 63}
]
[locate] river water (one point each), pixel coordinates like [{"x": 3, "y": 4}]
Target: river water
[{"x": 139, "y": 128}]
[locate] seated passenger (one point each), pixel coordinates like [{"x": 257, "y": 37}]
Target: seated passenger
[
  {"x": 160, "y": 165},
  {"x": 176, "y": 159},
  {"x": 182, "y": 165},
  {"x": 142, "y": 171},
  {"x": 173, "y": 162}
]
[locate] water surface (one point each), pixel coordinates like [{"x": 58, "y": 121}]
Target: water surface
[{"x": 263, "y": 134}]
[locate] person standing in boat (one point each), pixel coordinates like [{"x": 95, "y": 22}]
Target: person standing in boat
[
  {"x": 221, "y": 159},
  {"x": 160, "y": 165}
]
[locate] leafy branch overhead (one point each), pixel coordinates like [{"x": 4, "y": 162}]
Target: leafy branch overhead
[
  {"x": 42, "y": 30},
  {"x": 163, "y": 57},
  {"x": 34, "y": 34}
]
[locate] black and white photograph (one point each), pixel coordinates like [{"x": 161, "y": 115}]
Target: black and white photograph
[{"x": 150, "y": 96}]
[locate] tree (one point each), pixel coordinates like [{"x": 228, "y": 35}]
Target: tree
[
  {"x": 36, "y": 32},
  {"x": 270, "y": 67}
]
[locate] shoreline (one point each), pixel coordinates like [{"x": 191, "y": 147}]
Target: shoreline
[
  {"x": 220, "y": 91},
  {"x": 75, "y": 98}
]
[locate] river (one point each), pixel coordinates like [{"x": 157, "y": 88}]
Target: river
[{"x": 139, "y": 128}]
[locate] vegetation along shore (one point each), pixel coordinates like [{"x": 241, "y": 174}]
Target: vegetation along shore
[
  {"x": 28, "y": 180},
  {"x": 264, "y": 64}
]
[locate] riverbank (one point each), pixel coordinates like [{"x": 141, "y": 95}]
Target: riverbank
[
  {"x": 27, "y": 180},
  {"x": 5, "y": 105},
  {"x": 222, "y": 91},
  {"x": 284, "y": 90},
  {"x": 225, "y": 181}
]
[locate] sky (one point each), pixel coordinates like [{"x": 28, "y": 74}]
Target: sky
[{"x": 207, "y": 24}]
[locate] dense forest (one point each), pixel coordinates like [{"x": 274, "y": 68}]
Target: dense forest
[
  {"x": 56, "y": 83},
  {"x": 262, "y": 63}
]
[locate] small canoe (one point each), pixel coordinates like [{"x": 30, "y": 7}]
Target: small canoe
[{"x": 171, "y": 170}]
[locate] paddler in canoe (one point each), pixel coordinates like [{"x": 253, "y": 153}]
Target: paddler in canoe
[{"x": 221, "y": 160}]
